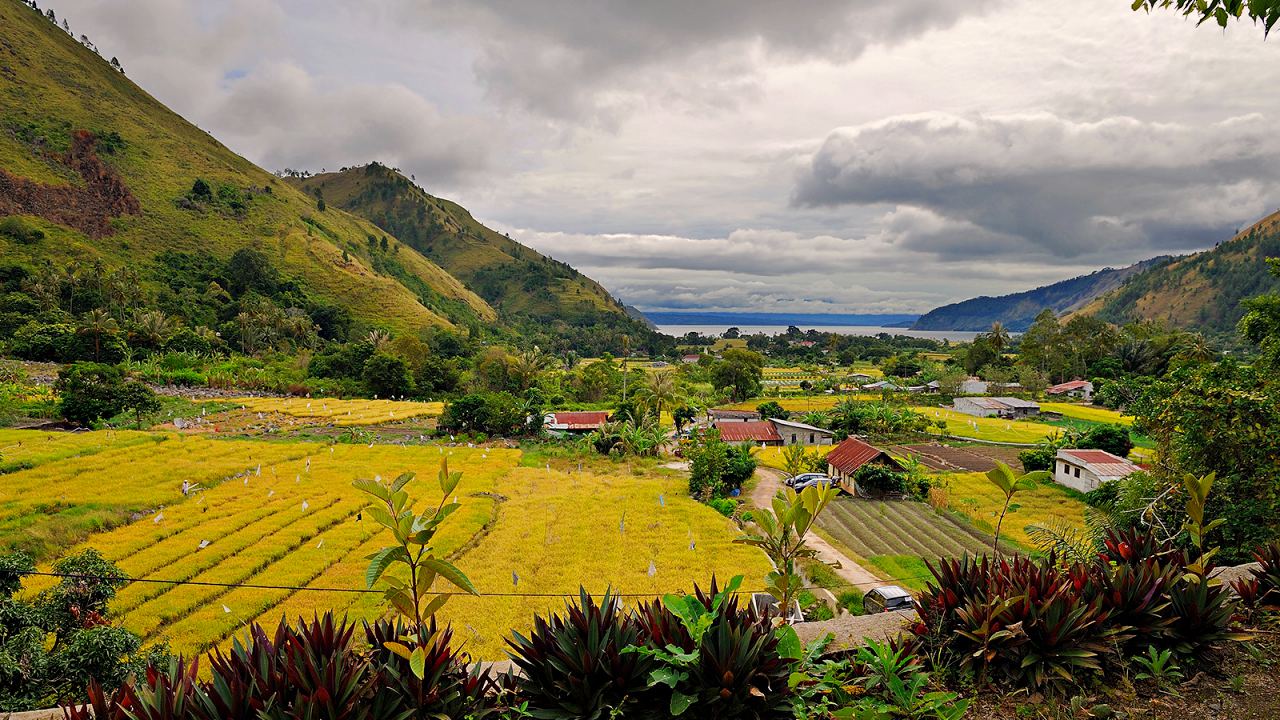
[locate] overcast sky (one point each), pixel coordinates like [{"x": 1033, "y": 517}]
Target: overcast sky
[{"x": 820, "y": 156}]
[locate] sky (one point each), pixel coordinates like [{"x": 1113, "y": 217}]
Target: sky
[{"x": 855, "y": 156}]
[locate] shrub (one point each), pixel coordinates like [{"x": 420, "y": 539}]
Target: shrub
[
  {"x": 1267, "y": 574},
  {"x": 772, "y": 409},
  {"x": 573, "y": 665},
  {"x": 1039, "y": 458},
  {"x": 496, "y": 413},
  {"x": 880, "y": 479},
  {"x": 724, "y": 506},
  {"x": 21, "y": 231},
  {"x": 387, "y": 376},
  {"x": 89, "y": 392},
  {"x": 1112, "y": 438},
  {"x": 448, "y": 688}
]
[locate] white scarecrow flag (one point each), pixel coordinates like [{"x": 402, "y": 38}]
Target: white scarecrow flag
[
  {"x": 653, "y": 569},
  {"x": 159, "y": 516},
  {"x": 203, "y": 544},
  {"x": 226, "y": 609},
  {"x": 305, "y": 505}
]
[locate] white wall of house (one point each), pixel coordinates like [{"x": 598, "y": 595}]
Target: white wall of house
[
  {"x": 1074, "y": 476},
  {"x": 969, "y": 406},
  {"x": 802, "y": 436}
]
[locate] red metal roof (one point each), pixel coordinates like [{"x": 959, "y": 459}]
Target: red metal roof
[
  {"x": 1067, "y": 387},
  {"x": 581, "y": 419},
  {"x": 852, "y": 454},
  {"x": 759, "y": 431},
  {"x": 1100, "y": 462}
]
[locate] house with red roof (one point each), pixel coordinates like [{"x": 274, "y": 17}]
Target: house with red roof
[
  {"x": 1085, "y": 470},
  {"x": 845, "y": 459},
  {"x": 584, "y": 421},
  {"x": 761, "y": 432},
  {"x": 1082, "y": 389}
]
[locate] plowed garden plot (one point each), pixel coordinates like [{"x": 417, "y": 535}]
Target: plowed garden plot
[
  {"x": 975, "y": 458},
  {"x": 890, "y": 534}
]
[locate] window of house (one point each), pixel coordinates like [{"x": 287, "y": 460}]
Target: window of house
[
  {"x": 1077, "y": 472},
  {"x": 793, "y": 438},
  {"x": 810, "y": 438}
]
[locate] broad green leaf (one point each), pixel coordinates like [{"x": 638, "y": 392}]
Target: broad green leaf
[
  {"x": 379, "y": 563},
  {"x": 397, "y": 648},
  {"x": 679, "y": 703},
  {"x": 375, "y": 489},
  {"x": 789, "y": 645},
  {"x": 401, "y": 481},
  {"x": 451, "y": 573},
  {"x": 418, "y": 662}
]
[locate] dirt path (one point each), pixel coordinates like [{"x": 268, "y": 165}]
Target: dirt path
[{"x": 768, "y": 482}]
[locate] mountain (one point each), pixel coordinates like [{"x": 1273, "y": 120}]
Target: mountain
[
  {"x": 104, "y": 176},
  {"x": 1016, "y": 311},
  {"x": 1202, "y": 291},
  {"x": 520, "y": 283}
]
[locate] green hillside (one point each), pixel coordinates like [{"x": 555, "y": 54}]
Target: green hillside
[
  {"x": 115, "y": 180},
  {"x": 1201, "y": 291},
  {"x": 519, "y": 282}
]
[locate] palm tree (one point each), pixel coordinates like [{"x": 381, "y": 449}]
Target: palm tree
[
  {"x": 154, "y": 327},
  {"x": 661, "y": 391},
  {"x": 998, "y": 336},
  {"x": 1195, "y": 348},
  {"x": 526, "y": 365},
  {"x": 98, "y": 323},
  {"x": 378, "y": 339}
]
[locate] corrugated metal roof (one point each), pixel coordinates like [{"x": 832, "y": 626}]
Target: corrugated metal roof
[
  {"x": 1099, "y": 462},
  {"x": 749, "y": 414},
  {"x": 802, "y": 426},
  {"x": 852, "y": 454},
  {"x": 1068, "y": 386},
  {"x": 578, "y": 420},
  {"x": 750, "y": 431}
]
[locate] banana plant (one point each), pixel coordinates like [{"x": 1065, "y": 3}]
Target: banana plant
[
  {"x": 1004, "y": 479},
  {"x": 781, "y": 537},
  {"x": 414, "y": 553}
]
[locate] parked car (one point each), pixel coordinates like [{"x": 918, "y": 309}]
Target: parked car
[
  {"x": 793, "y": 481},
  {"x": 818, "y": 479},
  {"x": 887, "y": 598}
]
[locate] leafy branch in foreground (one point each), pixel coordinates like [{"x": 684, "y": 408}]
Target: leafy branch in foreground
[
  {"x": 1003, "y": 478},
  {"x": 782, "y": 537},
  {"x": 1266, "y": 12},
  {"x": 414, "y": 553}
]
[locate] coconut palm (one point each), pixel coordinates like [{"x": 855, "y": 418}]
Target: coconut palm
[
  {"x": 526, "y": 365},
  {"x": 1194, "y": 347},
  {"x": 998, "y": 336},
  {"x": 660, "y": 392},
  {"x": 98, "y": 323},
  {"x": 153, "y": 327}
]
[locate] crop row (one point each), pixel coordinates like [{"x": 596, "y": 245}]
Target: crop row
[
  {"x": 869, "y": 528},
  {"x": 26, "y": 449}
]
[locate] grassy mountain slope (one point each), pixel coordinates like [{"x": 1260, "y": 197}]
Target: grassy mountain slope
[
  {"x": 1016, "y": 311},
  {"x": 125, "y": 194},
  {"x": 1201, "y": 291},
  {"x": 517, "y": 281}
]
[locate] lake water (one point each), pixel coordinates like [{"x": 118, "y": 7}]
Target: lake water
[{"x": 953, "y": 335}]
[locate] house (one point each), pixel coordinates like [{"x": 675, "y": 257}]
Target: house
[
  {"x": 884, "y": 385},
  {"x": 845, "y": 459},
  {"x": 752, "y": 431},
  {"x": 858, "y": 377},
  {"x": 1085, "y": 470},
  {"x": 690, "y": 359},
  {"x": 1003, "y": 407},
  {"x": 1082, "y": 389},
  {"x": 575, "y": 422},
  {"x": 930, "y": 387},
  {"x": 973, "y": 386},
  {"x": 715, "y": 417},
  {"x": 797, "y": 433}
]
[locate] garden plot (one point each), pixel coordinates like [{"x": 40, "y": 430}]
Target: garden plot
[{"x": 873, "y": 528}]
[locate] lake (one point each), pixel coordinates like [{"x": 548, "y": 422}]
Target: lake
[{"x": 953, "y": 335}]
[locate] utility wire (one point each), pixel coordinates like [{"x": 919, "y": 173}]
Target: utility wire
[{"x": 451, "y": 593}]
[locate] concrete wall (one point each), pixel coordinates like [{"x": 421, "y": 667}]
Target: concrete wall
[{"x": 1065, "y": 473}]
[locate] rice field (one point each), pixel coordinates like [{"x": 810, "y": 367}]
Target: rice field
[
  {"x": 1090, "y": 413},
  {"x": 802, "y": 403},
  {"x": 988, "y": 428},
  {"x": 772, "y": 456},
  {"x": 285, "y": 514},
  {"x": 25, "y": 449},
  {"x": 973, "y": 495},
  {"x": 343, "y": 413}
]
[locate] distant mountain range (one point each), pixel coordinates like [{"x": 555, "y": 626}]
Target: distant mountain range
[
  {"x": 1016, "y": 311},
  {"x": 682, "y": 317},
  {"x": 1202, "y": 291}
]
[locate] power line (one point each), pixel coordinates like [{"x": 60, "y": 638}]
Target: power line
[{"x": 449, "y": 593}]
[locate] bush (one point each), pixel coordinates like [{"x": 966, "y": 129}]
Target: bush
[
  {"x": 387, "y": 376},
  {"x": 89, "y": 392},
  {"x": 21, "y": 231},
  {"x": 772, "y": 410},
  {"x": 880, "y": 479},
  {"x": 56, "y": 643},
  {"x": 492, "y": 413},
  {"x": 1112, "y": 438},
  {"x": 1039, "y": 458},
  {"x": 724, "y": 506}
]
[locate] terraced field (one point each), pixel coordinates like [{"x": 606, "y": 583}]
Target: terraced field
[
  {"x": 25, "y": 449},
  {"x": 802, "y": 403},
  {"x": 343, "y": 413},
  {"x": 285, "y": 514},
  {"x": 973, "y": 495},
  {"x": 871, "y": 529}
]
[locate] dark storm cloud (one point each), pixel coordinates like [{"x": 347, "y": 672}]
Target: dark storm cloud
[
  {"x": 565, "y": 58},
  {"x": 1039, "y": 183}
]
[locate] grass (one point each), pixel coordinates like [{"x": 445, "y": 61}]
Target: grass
[
  {"x": 58, "y": 86},
  {"x": 987, "y": 428},
  {"x": 249, "y": 516},
  {"x": 973, "y": 495},
  {"x": 343, "y": 413},
  {"x": 908, "y": 571},
  {"x": 1090, "y": 413}
]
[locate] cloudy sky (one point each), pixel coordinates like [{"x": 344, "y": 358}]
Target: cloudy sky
[{"x": 823, "y": 156}]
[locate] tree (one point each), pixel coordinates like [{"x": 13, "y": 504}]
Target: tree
[
  {"x": 771, "y": 410},
  {"x": 98, "y": 323},
  {"x": 88, "y": 392},
  {"x": 739, "y": 372},
  {"x": 1266, "y": 12},
  {"x": 249, "y": 269},
  {"x": 387, "y": 375},
  {"x": 1261, "y": 322},
  {"x": 780, "y": 534},
  {"x": 708, "y": 458},
  {"x": 1111, "y": 438},
  {"x": 682, "y": 416},
  {"x": 140, "y": 400},
  {"x": 794, "y": 460},
  {"x": 1003, "y": 478},
  {"x": 732, "y": 333},
  {"x": 660, "y": 391}
]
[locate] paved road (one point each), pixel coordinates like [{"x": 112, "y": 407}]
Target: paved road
[{"x": 768, "y": 482}]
